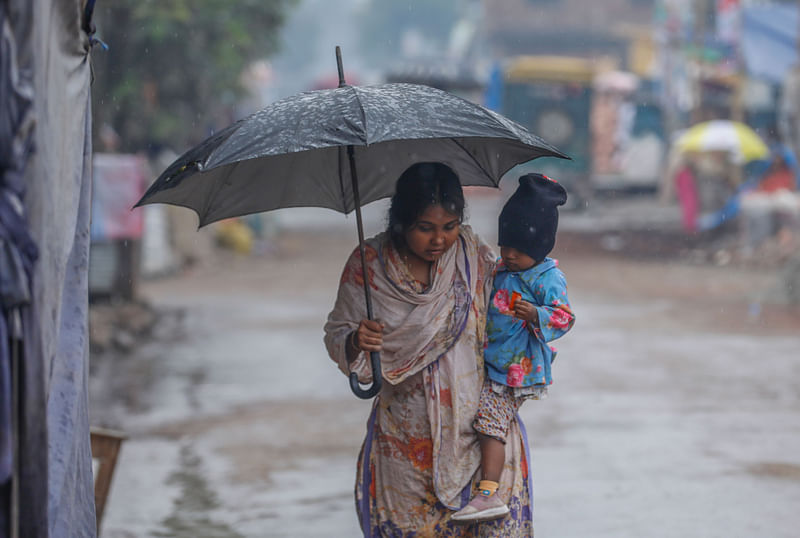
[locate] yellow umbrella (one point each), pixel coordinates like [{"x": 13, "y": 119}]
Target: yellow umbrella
[{"x": 724, "y": 135}]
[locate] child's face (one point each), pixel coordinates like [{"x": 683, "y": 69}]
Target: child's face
[{"x": 516, "y": 260}]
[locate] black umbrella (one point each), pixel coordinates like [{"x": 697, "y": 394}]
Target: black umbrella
[{"x": 342, "y": 148}]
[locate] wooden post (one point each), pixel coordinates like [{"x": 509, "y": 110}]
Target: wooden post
[{"x": 105, "y": 449}]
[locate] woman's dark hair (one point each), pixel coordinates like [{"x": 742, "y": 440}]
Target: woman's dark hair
[{"x": 419, "y": 187}]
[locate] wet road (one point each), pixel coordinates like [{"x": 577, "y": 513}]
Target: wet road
[{"x": 673, "y": 413}]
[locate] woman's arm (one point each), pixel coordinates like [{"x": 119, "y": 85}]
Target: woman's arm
[
  {"x": 347, "y": 334},
  {"x": 351, "y": 348}
]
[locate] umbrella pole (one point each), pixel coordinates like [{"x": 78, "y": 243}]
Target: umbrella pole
[{"x": 375, "y": 359}]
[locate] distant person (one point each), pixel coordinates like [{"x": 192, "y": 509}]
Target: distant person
[
  {"x": 430, "y": 278},
  {"x": 528, "y": 309},
  {"x": 780, "y": 175},
  {"x": 686, "y": 190}
]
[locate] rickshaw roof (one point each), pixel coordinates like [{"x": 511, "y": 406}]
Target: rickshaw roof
[{"x": 554, "y": 68}]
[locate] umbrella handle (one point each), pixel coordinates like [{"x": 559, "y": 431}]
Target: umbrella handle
[
  {"x": 366, "y": 394},
  {"x": 375, "y": 358}
]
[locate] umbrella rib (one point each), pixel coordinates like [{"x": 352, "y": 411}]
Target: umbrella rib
[
  {"x": 363, "y": 115},
  {"x": 471, "y": 156},
  {"x": 485, "y": 112},
  {"x": 218, "y": 188}
]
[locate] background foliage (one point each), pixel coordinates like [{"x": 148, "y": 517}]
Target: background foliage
[{"x": 172, "y": 71}]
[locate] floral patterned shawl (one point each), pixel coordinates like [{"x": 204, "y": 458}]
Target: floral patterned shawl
[
  {"x": 421, "y": 454},
  {"x": 421, "y": 325}
]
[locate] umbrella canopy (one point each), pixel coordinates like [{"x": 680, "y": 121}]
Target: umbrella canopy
[
  {"x": 724, "y": 135},
  {"x": 291, "y": 153},
  {"x": 341, "y": 148}
]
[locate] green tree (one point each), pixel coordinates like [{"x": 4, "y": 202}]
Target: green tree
[{"x": 172, "y": 70}]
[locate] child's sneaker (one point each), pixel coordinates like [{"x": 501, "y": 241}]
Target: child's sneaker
[{"x": 482, "y": 508}]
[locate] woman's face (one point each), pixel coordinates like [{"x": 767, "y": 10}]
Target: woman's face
[{"x": 433, "y": 233}]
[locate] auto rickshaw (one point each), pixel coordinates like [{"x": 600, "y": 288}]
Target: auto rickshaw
[{"x": 552, "y": 96}]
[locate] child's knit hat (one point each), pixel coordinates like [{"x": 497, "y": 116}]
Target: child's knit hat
[{"x": 529, "y": 220}]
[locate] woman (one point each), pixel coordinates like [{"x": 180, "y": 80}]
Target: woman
[{"x": 430, "y": 278}]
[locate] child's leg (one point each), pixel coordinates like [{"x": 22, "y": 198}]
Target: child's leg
[
  {"x": 493, "y": 457},
  {"x": 491, "y": 423},
  {"x": 494, "y": 416}
]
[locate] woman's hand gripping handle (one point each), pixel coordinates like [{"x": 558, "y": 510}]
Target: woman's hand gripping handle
[{"x": 368, "y": 337}]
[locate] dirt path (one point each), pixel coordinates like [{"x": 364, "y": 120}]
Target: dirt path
[{"x": 674, "y": 412}]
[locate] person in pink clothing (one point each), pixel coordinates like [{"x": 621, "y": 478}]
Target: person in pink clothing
[{"x": 686, "y": 189}]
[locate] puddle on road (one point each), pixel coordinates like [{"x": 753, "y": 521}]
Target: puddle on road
[{"x": 191, "y": 512}]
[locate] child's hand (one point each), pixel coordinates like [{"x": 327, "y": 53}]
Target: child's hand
[{"x": 526, "y": 311}]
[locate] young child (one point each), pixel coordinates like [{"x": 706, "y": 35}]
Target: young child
[{"x": 528, "y": 309}]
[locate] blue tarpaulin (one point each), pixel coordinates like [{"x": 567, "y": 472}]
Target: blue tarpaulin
[
  {"x": 54, "y": 468},
  {"x": 769, "y": 40}
]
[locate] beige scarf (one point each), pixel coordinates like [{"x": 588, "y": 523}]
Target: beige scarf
[{"x": 421, "y": 325}]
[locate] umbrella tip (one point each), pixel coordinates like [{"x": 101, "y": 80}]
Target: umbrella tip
[{"x": 339, "y": 66}]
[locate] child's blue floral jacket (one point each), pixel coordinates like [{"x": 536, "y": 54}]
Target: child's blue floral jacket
[{"x": 518, "y": 355}]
